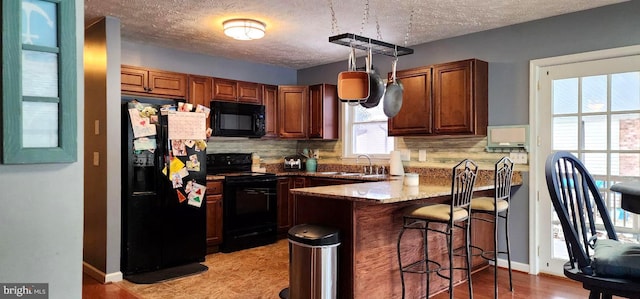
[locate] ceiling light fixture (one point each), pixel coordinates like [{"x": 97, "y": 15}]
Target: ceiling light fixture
[{"x": 244, "y": 29}]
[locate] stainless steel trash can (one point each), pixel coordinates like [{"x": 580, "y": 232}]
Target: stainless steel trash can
[{"x": 313, "y": 260}]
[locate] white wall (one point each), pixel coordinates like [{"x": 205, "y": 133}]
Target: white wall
[{"x": 41, "y": 213}]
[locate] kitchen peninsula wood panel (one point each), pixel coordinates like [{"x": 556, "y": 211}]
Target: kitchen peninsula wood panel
[{"x": 369, "y": 230}]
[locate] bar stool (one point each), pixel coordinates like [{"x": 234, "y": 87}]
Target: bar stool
[
  {"x": 496, "y": 207},
  {"x": 453, "y": 215}
]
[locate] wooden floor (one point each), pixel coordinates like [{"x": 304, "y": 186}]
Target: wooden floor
[{"x": 262, "y": 272}]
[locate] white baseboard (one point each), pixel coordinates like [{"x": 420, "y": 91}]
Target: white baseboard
[
  {"x": 502, "y": 263},
  {"x": 99, "y": 275}
]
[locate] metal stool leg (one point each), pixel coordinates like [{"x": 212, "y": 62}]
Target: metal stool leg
[{"x": 400, "y": 261}]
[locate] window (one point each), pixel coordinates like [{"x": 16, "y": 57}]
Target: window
[
  {"x": 39, "y": 82},
  {"x": 366, "y": 131}
]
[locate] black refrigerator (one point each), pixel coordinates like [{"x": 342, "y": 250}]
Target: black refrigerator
[{"x": 163, "y": 224}]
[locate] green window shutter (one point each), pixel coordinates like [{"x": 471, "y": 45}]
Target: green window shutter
[{"x": 39, "y": 93}]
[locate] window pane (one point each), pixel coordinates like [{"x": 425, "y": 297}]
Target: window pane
[
  {"x": 596, "y": 163},
  {"x": 39, "y": 74},
  {"x": 625, "y": 164},
  {"x": 625, "y": 91},
  {"x": 565, "y": 96},
  {"x": 625, "y": 132},
  {"x": 40, "y": 124},
  {"x": 595, "y": 132},
  {"x": 369, "y": 114},
  {"x": 594, "y": 94},
  {"x": 565, "y": 133},
  {"x": 371, "y": 138},
  {"x": 39, "y": 23}
]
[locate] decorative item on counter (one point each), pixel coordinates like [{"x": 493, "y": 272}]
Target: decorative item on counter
[
  {"x": 411, "y": 179},
  {"x": 311, "y": 164},
  {"x": 395, "y": 164}
]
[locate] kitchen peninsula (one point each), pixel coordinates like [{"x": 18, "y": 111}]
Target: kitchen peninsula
[{"x": 369, "y": 216}]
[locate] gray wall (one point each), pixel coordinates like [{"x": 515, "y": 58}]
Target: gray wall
[
  {"x": 41, "y": 213},
  {"x": 192, "y": 63},
  {"x": 508, "y": 51}
]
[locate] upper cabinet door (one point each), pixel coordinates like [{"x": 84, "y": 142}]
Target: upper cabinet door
[
  {"x": 249, "y": 92},
  {"x": 168, "y": 83},
  {"x": 323, "y": 111},
  {"x": 200, "y": 92},
  {"x": 270, "y": 98},
  {"x": 414, "y": 117},
  {"x": 225, "y": 90},
  {"x": 460, "y": 97},
  {"x": 444, "y": 99},
  {"x": 293, "y": 107},
  {"x": 133, "y": 79},
  {"x": 139, "y": 80}
]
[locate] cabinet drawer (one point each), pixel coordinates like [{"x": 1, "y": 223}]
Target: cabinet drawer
[{"x": 214, "y": 187}]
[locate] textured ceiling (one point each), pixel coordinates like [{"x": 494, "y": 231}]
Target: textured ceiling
[{"x": 298, "y": 30}]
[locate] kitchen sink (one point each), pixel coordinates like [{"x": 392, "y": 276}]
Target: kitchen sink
[{"x": 341, "y": 173}]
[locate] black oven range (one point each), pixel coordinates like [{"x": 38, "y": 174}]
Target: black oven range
[{"x": 249, "y": 202}]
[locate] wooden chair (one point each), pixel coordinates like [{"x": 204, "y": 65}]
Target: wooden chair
[
  {"x": 453, "y": 215},
  {"x": 496, "y": 207},
  {"x": 597, "y": 259}
]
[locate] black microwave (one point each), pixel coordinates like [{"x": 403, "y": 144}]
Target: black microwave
[{"x": 229, "y": 119}]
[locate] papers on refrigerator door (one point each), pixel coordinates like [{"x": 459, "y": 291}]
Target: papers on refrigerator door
[
  {"x": 142, "y": 126},
  {"x": 187, "y": 125},
  {"x": 196, "y": 196}
]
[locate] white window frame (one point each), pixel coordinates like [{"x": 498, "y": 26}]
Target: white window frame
[{"x": 347, "y": 134}]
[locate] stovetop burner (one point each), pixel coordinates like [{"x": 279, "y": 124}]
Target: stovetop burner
[{"x": 232, "y": 165}]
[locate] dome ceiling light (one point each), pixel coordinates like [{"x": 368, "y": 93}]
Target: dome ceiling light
[{"x": 244, "y": 29}]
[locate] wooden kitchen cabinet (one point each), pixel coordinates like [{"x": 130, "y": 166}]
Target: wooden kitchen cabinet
[
  {"x": 449, "y": 99},
  {"x": 149, "y": 82},
  {"x": 200, "y": 92},
  {"x": 214, "y": 215},
  {"x": 414, "y": 117},
  {"x": 286, "y": 206},
  {"x": 270, "y": 102},
  {"x": 323, "y": 112},
  {"x": 225, "y": 90},
  {"x": 249, "y": 92},
  {"x": 237, "y": 91},
  {"x": 293, "y": 112},
  {"x": 460, "y": 98}
]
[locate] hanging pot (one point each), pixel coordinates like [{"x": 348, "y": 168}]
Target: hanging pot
[
  {"x": 376, "y": 85},
  {"x": 393, "y": 95},
  {"x": 353, "y": 86}
]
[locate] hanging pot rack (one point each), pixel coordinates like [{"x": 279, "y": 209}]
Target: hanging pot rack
[{"x": 366, "y": 43}]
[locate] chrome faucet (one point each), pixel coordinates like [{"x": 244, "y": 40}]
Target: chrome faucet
[{"x": 370, "y": 171}]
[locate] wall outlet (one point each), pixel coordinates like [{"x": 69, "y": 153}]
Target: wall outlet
[
  {"x": 405, "y": 155},
  {"x": 422, "y": 155},
  {"x": 519, "y": 157}
]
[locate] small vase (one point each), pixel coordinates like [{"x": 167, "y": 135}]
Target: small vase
[{"x": 311, "y": 164}]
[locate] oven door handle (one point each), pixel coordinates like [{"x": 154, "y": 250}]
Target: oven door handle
[{"x": 250, "y": 180}]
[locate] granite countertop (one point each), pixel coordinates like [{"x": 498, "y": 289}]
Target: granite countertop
[{"x": 390, "y": 191}]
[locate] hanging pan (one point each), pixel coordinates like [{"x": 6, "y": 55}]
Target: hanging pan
[
  {"x": 353, "y": 86},
  {"x": 393, "y": 95},
  {"x": 376, "y": 85}
]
